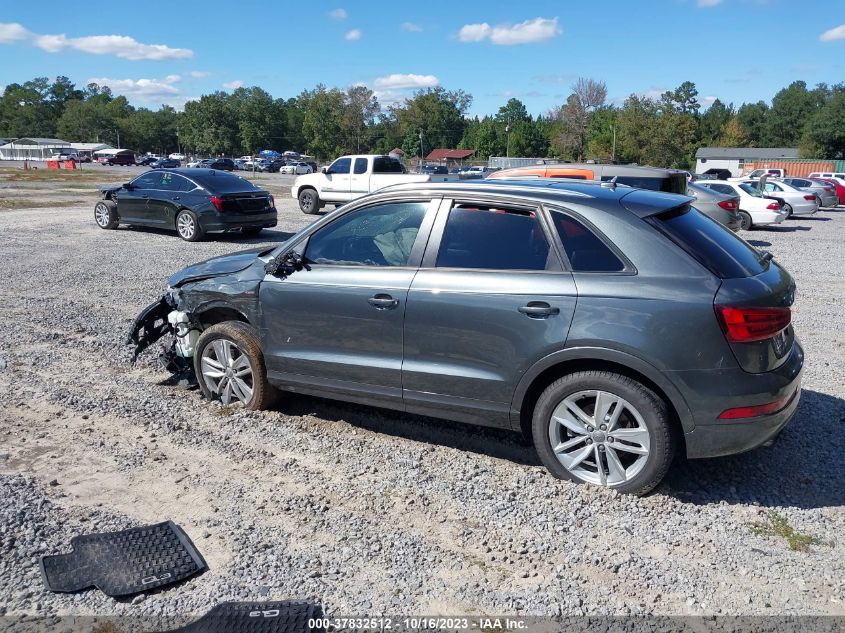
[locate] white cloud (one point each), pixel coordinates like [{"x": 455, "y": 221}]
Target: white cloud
[
  {"x": 399, "y": 81},
  {"x": 12, "y": 32},
  {"x": 704, "y": 4},
  {"x": 707, "y": 101},
  {"x": 118, "y": 45},
  {"x": 338, "y": 14},
  {"x": 831, "y": 35},
  {"x": 353, "y": 36},
  {"x": 142, "y": 89},
  {"x": 411, "y": 27},
  {"x": 474, "y": 32},
  {"x": 234, "y": 85},
  {"x": 387, "y": 98},
  {"x": 199, "y": 74},
  {"x": 528, "y": 32}
]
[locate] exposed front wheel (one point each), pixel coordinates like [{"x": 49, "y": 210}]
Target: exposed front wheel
[
  {"x": 188, "y": 226},
  {"x": 105, "y": 214},
  {"x": 309, "y": 201},
  {"x": 744, "y": 220},
  {"x": 605, "y": 429},
  {"x": 230, "y": 368}
]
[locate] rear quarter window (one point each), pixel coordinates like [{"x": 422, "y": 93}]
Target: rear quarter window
[{"x": 717, "y": 248}]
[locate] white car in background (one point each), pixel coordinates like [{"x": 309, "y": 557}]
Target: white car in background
[
  {"x": 794, "y": 201},
  {"x": 754, "y": 208},
  {"x": 296, "y": 168},
  {"x": 177, "y": 156}
]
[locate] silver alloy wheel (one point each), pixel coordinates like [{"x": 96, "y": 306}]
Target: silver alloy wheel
[
  {"x": 186, "y": 226},
  {"x": 102, "y": 215},
  {"x": 307, "y": 201},
  {"x": 607, "y": 446},
  {"x": 227, "y": 371}
]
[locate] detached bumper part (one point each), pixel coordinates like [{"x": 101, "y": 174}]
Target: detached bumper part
[{"x": 149, "y": 326}]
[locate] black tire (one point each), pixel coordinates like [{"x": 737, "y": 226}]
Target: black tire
[
  {"x": 245, "y": 338},
  {"x": 745, "y": 222},
  {"x": 105, "y": 214},
  {"x": 788, "y": 208},
  {"x": 252, "y": 230},
  {"x": 651, "y": 408},
  {"x": 188, "y": 226},
  {"x": 309, "y": 202}
]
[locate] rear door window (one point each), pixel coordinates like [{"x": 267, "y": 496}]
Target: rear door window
[
  {"x": 360, "y": 166},
  {"x": 491, "y": 237},
  {"x": 586, "y": 252},
  {"x": 711, "y": 244}
]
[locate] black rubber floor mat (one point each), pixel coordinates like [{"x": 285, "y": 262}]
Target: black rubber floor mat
[
  {"x": 126, "y": 562},
  {"x": 288, "y": 616}
]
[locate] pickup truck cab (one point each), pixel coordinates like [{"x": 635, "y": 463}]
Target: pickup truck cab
[{"x": 350, "y": 177}]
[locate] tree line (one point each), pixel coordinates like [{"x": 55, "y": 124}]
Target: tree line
[{"x": 328, "y": 121}]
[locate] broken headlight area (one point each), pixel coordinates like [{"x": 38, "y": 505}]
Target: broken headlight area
[{"x": 159, "y": 320}]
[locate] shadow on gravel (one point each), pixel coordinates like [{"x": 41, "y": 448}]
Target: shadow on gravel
[
  {"x": 498, "y": 443},
  {"x": 803, "y": 468},
  {"x": 759, "y": 243},
  {"x": 787, "y": 229},
  {"x": 811, "y": 218},
  {"x": 266, "y": 236}
]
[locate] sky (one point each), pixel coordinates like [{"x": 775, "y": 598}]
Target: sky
[{"x": 169, "y": 52}]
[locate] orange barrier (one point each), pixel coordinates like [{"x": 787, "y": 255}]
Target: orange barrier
[
  {"x": 53, "y": 164},
  {"x": 70, "y": 164}
]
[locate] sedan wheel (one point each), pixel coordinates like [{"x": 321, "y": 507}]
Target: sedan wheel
[
  {"x": 188, "y": 226},
  {"x": 105, "y": 214},
  {"x": 607, "y": 446},
  {"x": 744, "y": 221},
  {"x": 788, "y": 209},
  {"x": 227, "y": 372}
]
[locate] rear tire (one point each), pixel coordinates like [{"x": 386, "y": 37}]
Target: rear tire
[
  {"x": 788, "y": 209},
  {"x": 105, "y": 214},
  {"x": 229, "y": 365},
  {"x": 745, "y": 222},
  {"x": 629, "y": 447},
  {"x": 309, "y": 202},
  {"x": 188, "y": 226}
]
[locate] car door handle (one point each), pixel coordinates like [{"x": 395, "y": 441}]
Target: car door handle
[
  {"x": 383, "y": 302},
  {"x": 538, "y": 310}
]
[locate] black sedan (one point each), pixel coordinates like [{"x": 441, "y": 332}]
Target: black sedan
[{"x": 191, "y": 201}]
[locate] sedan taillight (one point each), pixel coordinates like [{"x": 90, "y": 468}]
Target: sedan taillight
[
  {"x": 747, "y": 325},
  {"x": 774, "y": 206},
  {"x": 728, "y": 205},
  {"x": 809, "y": 197},
  {"x": 217, "y": 202}
]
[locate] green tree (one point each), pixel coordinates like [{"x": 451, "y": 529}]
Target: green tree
[
  {"x": 753, "y": 119},
  {"x": 211, "y": 125},
  {"x": 360, "y": 108},
  {"x": 713, "y": 122},
  {"x": 733, "y": 135},
  {"x": 824, "y": 133},
  {"x": 791, "y": 108},
  {"x": 322, "y": 122},
  {"x": 437, "y": 112}
]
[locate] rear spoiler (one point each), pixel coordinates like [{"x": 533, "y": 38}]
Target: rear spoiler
[{"x": 644, "y": 203}]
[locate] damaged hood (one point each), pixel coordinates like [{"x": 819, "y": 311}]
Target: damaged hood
[
  {"x": 110, "y": 188},
  {"x": 223, "y": 265}
]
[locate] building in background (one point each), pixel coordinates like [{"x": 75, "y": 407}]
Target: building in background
[
  {"x": 735, "y": 158},
  {"x": 32, "y": 148}
]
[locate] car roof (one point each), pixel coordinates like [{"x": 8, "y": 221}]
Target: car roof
[{"x": 643, "y": 202}]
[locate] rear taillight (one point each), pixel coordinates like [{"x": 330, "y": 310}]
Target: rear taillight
[
  {"x": 746, "y": 325},
  {"x": 774, "y": 206},
  {"x": 760, "y": 409},
  {"x": 217, "y": 202},
  {"x": 808, "y": 197},
  {"x": 728, "y": 205}
]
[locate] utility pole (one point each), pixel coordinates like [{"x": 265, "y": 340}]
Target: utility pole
[
  {"x": 613, "y": 151},
  {"x": 508, "y": 144},
  {"x": 421, "y": 149}
]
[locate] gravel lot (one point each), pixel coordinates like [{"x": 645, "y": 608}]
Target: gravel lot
[{"x": 368, "y": 511}]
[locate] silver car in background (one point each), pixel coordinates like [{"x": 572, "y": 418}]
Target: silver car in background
[
  {"x": 793, "y": 201},
  {"x": 825, "y": 193},
  {"x": 721, "y": 207}
]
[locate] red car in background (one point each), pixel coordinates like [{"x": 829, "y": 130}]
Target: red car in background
[{"x": 838, "y": 184}]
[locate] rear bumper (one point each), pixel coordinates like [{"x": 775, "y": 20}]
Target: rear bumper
[
  {"x": 235, "y": 221},
  {"x": 708, "y": 393}
]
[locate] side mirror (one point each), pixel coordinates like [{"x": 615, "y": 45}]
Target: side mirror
[
  {"x": 128, "y": 186},
  {"x": 325, "y": 170}
]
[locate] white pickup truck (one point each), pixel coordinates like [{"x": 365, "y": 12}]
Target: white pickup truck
[{"x": 350, "y": 177}]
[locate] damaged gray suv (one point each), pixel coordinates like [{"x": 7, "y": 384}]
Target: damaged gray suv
[{"x": 617, "y": 327}]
